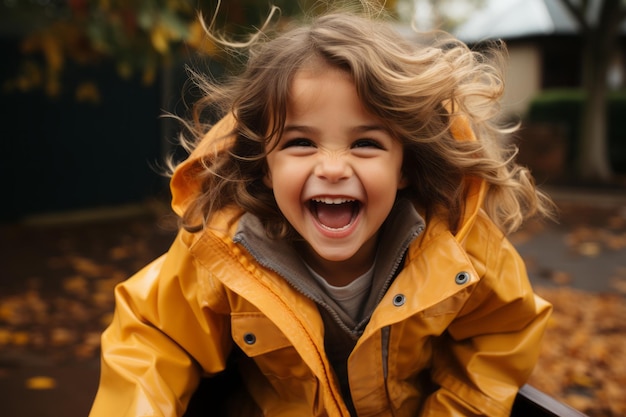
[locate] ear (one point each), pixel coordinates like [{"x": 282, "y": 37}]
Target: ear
[
  {"x": 403, "y": 182},
  {"x": 267, "y": 179}
]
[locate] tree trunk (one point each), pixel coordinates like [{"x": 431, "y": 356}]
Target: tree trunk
[
  {"x": 593, "y": 158},
  {"x": 600, "y": 40}
]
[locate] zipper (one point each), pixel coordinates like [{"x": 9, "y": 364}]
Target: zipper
[
  {"x": 399, "y": 261},
  {"x": 392, "y": 273},
  {"x": 299, "y": 288}
]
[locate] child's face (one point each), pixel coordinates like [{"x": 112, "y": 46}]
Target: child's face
[{"x": 335, "y": 172}]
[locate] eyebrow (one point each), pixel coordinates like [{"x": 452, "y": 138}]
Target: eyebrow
[
  {"x": 370, "y": 128},
  {"x": 299, "y": 128},
  {"x": 356, "y": 129}
]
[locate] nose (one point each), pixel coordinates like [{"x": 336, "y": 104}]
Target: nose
[{"x": 333, "y": 168}]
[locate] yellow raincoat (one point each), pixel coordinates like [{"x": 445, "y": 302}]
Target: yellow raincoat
[{"x": 460, "y": 311}]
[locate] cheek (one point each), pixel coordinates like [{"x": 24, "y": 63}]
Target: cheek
[
  {"x": 387, "y": 178},
  {"x": 282, "y": 176},
  {"x": 287, "y": 186}
]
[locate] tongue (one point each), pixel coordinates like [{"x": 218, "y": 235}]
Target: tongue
[{"x": 334, "y": 216}]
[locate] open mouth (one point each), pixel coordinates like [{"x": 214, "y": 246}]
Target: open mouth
[{"x": 334, "y": 213}]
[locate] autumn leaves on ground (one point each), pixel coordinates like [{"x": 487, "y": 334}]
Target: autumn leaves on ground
[
  {"x": 582, "y": 361},
  {"x": 56, "y": 297}
]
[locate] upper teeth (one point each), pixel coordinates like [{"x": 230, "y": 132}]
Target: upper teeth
[{"x": 332, "y": 200}]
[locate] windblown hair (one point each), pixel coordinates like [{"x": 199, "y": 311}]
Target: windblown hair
[{"x": 416, "y": 87}]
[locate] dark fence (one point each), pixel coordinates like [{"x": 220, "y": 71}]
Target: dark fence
[{"x": 61, "y": 154}]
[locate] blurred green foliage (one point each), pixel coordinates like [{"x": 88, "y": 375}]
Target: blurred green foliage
[{"x": 140, "y": 36}]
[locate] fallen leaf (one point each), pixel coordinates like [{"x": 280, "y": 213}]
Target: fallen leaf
[
  {"x": 41, "y": 383},
  {"x": 616, "y": 242},
  {"x": 106, "y": 319},
  {"x": 616, "y": 222},
  {"x": 583, "y": 380},
  {"x": 76, "y": 285},
  {"x": 561, "y": 278},
  {"x": 61, "y": 336},
  {"x": 5, "y": 337},
  {"x": 21, "y": 338},
  {"x": 86, "y": 266},
  {"x": 120, "y": 252},
  {"x": 619, "y": 284},
  {"x": 590, "y": 249},
  {"x": 581, "y": 362}
]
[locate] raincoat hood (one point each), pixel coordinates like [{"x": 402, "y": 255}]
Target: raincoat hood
[{"x": 185, "y": 185}]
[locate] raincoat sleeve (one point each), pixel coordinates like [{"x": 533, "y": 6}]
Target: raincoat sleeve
[
  {"x": 161, "y": 341},
  {"x": 491, "y": 348}
]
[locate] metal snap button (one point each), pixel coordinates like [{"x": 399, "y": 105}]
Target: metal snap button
[
  {"x": 249, "y": 338},
  {"x": 399, "y": 300},
  {"x": 462, "y": 278}
]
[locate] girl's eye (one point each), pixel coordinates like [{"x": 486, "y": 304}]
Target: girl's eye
[
  {"x": 298, "y": 142},
  {"x": 367, "y": 143}
]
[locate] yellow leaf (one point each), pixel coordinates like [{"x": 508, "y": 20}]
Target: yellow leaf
[
  {"x": 86, "y": 266},
  {"x": 619, "y": 284},
  {"x": 6, "y": 310},
  {"x": 62, "y": 337},
  {"x": 561, "y": 277},
  {"x": 583, "y": 380},
  {"x": 125, "y": 70},
  {"x": 176, "y": 5},
  {"x": 41, "y": 383},
  {"x": 199, "y": 40},
  {"x": 89, "y": 347},
  {"x": 149, "y": 75},
  {"x": 616, "y": 242},
  {"x": 76, "y": 285},
  {"x": 590, "y": 249},
  {"x": 119, "y": 252},
  {"x": 20, "y": 338},
  {"x": 102, "y": 299},
  {"x": 579, "y": 402},
  {"x": 617, "y": 222},
  {"x": 106, "y": 319},
  {"x": 5, "y": 337},
  {"x": 160, "y": 38},
  {"x": 87, "y": 92},
  {"x": 53, "y": 52}
]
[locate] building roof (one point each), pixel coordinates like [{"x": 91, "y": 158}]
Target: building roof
[{"x": 511, "y": 19}]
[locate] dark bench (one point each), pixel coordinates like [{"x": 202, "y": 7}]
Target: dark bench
[{"x": 530, "y": 402}]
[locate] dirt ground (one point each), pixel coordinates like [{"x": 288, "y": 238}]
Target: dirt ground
[{"x": 57, "y": 277}]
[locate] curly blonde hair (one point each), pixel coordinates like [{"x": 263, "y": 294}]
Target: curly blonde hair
[{"x": 416, "y": 87}]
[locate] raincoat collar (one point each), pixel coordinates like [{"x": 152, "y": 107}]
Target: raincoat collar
[{"x": 402, "y": 226}]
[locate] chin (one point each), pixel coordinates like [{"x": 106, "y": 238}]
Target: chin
[{"x": 335, "y": 256}]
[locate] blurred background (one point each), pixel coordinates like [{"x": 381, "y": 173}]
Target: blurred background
[{"x": 83, "y": 86}]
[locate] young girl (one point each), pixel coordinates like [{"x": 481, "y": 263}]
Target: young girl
[{"x": 343, "y": 243}]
